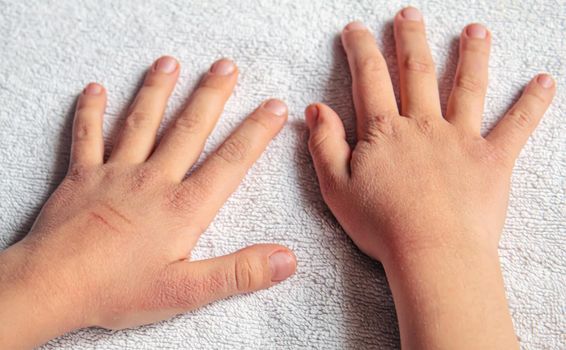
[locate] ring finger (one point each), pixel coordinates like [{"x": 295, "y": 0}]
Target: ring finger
[{"x": 137, "y": 136}]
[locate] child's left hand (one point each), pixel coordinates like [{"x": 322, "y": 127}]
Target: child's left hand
[{"x": 110, "y": 247}]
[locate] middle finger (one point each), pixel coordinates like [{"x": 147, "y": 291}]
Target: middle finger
[{"x": 419, "y": 89}]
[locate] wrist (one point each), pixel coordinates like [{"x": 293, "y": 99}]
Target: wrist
[
  {"x": 424, "y": 271},
  {"x": 34, "y": 305},
  {"x": 422, "y": 249},
  {"x": 434, "y": 285}
]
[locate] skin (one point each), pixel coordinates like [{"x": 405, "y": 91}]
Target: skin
[
  {"x": 111, "y": 246},
  {"x": 423, "y": 192}
]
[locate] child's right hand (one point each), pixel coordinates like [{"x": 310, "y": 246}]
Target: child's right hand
[{"x": 424, "y": 193}]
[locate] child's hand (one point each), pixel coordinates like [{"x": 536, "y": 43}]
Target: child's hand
[
  {"x": 424, "y": 193},
  {"x": 110, "y": 247}
]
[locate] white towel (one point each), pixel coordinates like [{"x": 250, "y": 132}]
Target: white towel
[{"x": 289, "y": 49}]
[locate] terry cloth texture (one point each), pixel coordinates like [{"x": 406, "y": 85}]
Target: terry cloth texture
[{"x": 288, "y": 49}]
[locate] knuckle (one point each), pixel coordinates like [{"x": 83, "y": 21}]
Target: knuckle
[
  {"x": 137, "y": 120},
  {"x": 111, "y": 173},
  {"x": 521, "y": 118},
  {"x": 418, "y": 64},
  {"x": 86, "y": 110},
  {"x": 479, "y": 49},
  {"x": 210, "y": 92},
  {"x": 83, "y": 128},
  {"x": 356, "y": 38},
  {"x": 316, "y": 142},
  {"x": 372, "y": 64},
  {"x": 411, "y": 30},
  {"x": 177, "y": 199},
  {"x": 155, "y": 83},
  {"x": 180, "y": 199},
  {"x": 377, "y": 125},
  {"x": 425, "y": 126},
  {"x": 152, "y": 82},
  {"x": 142, "y": 177},
  {"x": 470, "y": 83},
  {"x": 247, "y": 275},
  {"x": 234, "y": 149},
  {"x": 82, "y": 132},
  {"x": 259, "y": 121},
  {"x": 382, "y": 118},
  {"x": 539, "y": 98},
  {"x": 78, "y": 173},
  {"x": 188, "y": 123}
]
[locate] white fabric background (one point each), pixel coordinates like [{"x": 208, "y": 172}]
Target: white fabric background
[{"x": 288, "y": 49}]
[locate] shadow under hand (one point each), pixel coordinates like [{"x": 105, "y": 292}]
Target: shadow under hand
[{"x": 367, "y": 310}]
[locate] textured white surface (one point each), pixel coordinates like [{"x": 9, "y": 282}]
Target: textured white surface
[{"x": 338, "y": 298}]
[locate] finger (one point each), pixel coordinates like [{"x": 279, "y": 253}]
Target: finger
[
  {"x": 372, "y": 90},
  {"x": 184, "y": 140},
  {"x": 512, "y": 132},
  {"x": 190, "y": 285},
  {"x": 465, "y": 105},
  {"x": 87, "y": 148},
  {"x": 418, "y": 86},
  {"x": 137, "y": 137},
  {"x": 222, "y": 172},
  {"x": 328, "y": 146}
]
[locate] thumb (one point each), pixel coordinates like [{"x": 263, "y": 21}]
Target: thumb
[
  {"x": 193, "y": 284},
  {"x": 328, "y": 146}
]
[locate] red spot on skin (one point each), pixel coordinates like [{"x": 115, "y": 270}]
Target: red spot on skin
[
  {"x": 117, "y": 213},
  {"x": 102, "y": 220}
]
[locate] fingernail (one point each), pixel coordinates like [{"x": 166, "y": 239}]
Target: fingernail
[
  {"x": 93, "y": 89},
  {"x": 282, "y": 265},
  {"x": 276, "y": 107},
  {"x": 356, "y": 25},
  {"x": 545, "y": 81},
  {"x": 411, "y": 14},
  {"x": 312, "y": 115},
  {"x": 166, "y": 65},
  {"x": 223, "y": 67},
  {"x": 476, "y": 31}
]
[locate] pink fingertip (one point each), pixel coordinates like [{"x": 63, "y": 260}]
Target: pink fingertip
[
  {"x": 411, "y": 14},
  {"x": 545, "y": 81},
  {"x": 476, "y": 31},
  {"x": 356, "y": 25},
  {"x": 166, "y": 65},
  {"x": 93, "y": 89}
]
